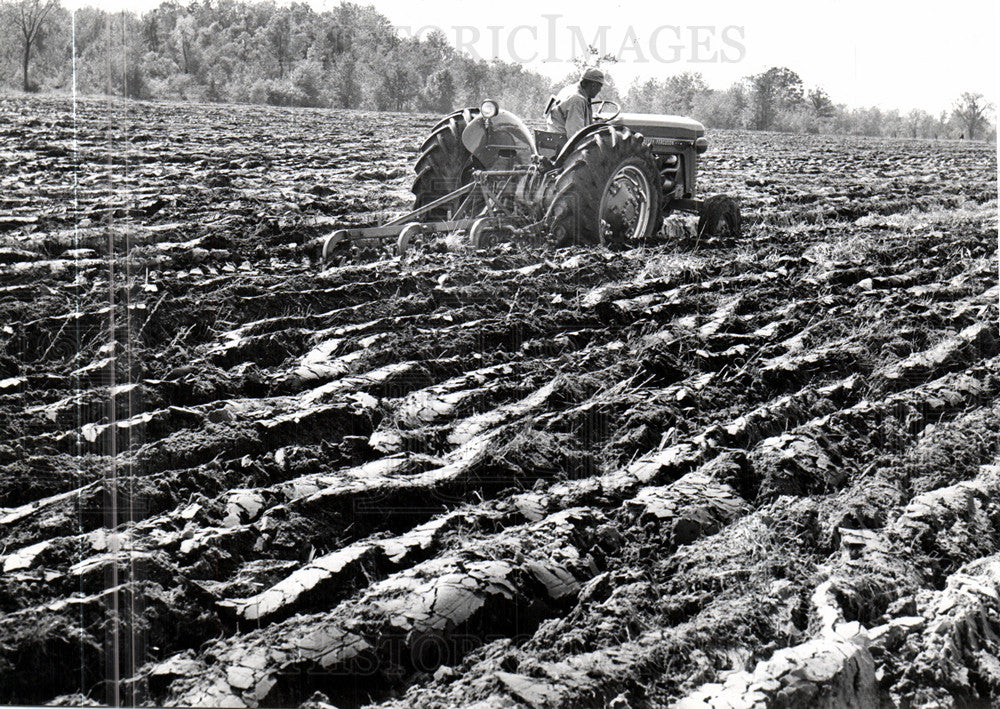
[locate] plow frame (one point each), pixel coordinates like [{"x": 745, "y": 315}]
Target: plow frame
[{"x": 496, "y": 214}]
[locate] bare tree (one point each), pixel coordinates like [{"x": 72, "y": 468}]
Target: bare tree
[
  {"x": 593, "y": 57},
  {"x": 970, "y": 113},
  {"x": 28, "y": 18}
]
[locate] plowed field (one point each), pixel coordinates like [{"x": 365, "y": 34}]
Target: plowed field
[{"x": 754, "y": 472}]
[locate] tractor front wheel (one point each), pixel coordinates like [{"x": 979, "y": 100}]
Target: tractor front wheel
[{"x": 608, "y": 192}]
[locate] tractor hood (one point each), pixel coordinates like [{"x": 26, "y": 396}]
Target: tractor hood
[{"x": 659, "y": 125}]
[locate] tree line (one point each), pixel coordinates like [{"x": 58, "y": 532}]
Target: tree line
[
  {"x": 252, "y": 52},
  {"x": 351, "y": 56},
  {"x": 777, "y": 99}
]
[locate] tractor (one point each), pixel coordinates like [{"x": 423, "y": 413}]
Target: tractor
[{"x": 484, "y": 176}]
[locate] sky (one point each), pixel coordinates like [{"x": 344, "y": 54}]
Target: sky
[{"x": 863, "y": 53}]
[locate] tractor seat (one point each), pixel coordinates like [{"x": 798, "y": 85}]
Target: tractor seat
[{"x": 549, "y": 143}]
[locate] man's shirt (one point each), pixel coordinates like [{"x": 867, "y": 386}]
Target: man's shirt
[{"x": 570, "y": 111}]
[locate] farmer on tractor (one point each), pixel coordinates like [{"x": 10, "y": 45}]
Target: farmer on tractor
[{"x": 570, "y": 109}]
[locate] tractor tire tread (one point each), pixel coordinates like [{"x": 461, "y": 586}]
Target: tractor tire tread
[{"x": 574, "y": 204}]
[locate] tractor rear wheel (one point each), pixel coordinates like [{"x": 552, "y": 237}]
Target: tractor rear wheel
[
  {"x": 608, "y": 192},
  {"x": 444, "y": 165}
]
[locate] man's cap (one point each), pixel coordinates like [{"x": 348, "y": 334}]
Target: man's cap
[{"x": 593, "y": 74}]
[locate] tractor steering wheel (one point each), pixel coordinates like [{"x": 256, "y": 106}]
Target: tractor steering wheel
[{"x": 597, "y": 106}]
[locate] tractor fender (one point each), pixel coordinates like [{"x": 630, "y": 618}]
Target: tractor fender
[
  {"x": 578, "y": 138},
  {"x": 488, "y": 138},
  {"x": 467, "y": 113}
]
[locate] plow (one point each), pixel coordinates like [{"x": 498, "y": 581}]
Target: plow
[{"x": 483, "y": 177}]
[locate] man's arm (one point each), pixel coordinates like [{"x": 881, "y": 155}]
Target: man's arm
[{"x": 576, "y": 115}]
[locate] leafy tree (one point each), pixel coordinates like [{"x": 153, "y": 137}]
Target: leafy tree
[
  {"x": 436, "y": 49},
  {"x": 681, "y": 92},
  {"x": 439, "y": 92},
  {"x": 29, "y": 18},
  {"x": 346, "y": 88},
  {"x": 970, "y": 113},
  {"x": 820, "y": 103},
  {"x": 150, "y": 28},
  {"x": 277, "y": 37},
  {"x": 771, "y": 91},
  {"x": 329, "y": 43},
  {"x": 642, "y": 95},
  {"x": 303, "y": 27},
  {"x": 920, "y": 124},
  {"x": 307, "y": 79},
  {"x": 501, "y": 78},
  {"x": 185, "y": 30},
  {"x": 528, "y": 96},
  {"x": 868, "y": 121},
  {"x": 111, "y": 54},
  {"x": 474, "y": 84},
  {"x": 721, "y": 109},
  {"x": 395, "y": 84}
]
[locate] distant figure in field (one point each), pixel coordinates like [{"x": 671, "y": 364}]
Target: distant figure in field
[{"x": 569, "y": 110}]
